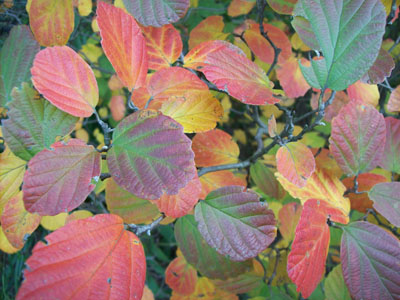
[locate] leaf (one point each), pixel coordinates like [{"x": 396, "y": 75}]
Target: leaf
[
  {"x": 382, "y": 68},
  {"x": 54, "y": 222},
  {"x": 295, "y": 162},
  {"x": 60, "y": 179},
  {"x": 214, "y": 147},
  {"x": 84, "y": 7},
  {"x": 129, "y": 207},
  {"x": 157, "y": 13},
  {"x": 367, "y": 93},
  {"x": 209, "y": 29},
  {"x": 12, "y": 171},
  {"x": 390, "y": 158},
  {"x": 344, "y": 61},
  {"x": 180, "y": 276},
  {"x": 214, "y": 180},
  {"x": 16, "y": 59},
  {"x": 240, "y": 7},
  {"x": 118, "y": 107},
  {"x": 52, "y": 22},
  {"x": 340, "y": 100},
  {"x": 164, "y": 45},
  {"x": 394, "y": 100},
  {"x": 78, "y": 215},
  {"x": 66, "y": 80},
  {"x": 123, "y": 44},
  {"x": 33, "y": 124},
  {"x": 17, "y": 223},
  {"x": 239, "y": 77},
  {"x": 370, "y": 262},
  {"x": 199, "y": 112},
  {"x": 284, "y": 7},
  {"x": 288, "y": 217},
  {"x": 150, "y": 155},
  {"x": 241, "y": 284},
  {"x": 291, "y": 79},
  {"x": 335, "y": 287},
  {"x": 95, "y": 250},
  {"x": 181, "y": 204},
  {"x": 386, "y": 197},
  {"x": 235, "y": 222},
  {"x": 263, "y": 177},
  {"x": 5, "y": 245},
  {"x": 306, "y": 261},
  {"x": 322, "y": 185},
  {"x": 358, "y": 138},
  {"x": 203, "y": 257}
]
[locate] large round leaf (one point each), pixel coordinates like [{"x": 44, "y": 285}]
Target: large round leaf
[
  {"x": 94, "y": 258},
  {"x": 151, "y": 155},
  {"x": 370, "y": 262},
  {"x": 60, "y": 179},
  {"x": 235, "y": 222}
]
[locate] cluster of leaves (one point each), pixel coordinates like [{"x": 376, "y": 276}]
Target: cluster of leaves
[{"x": 307, "y": 207}]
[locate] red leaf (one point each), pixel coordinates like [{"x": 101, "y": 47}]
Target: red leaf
[
  {"x": 180, "y": 276},
  {"x": 382, "y": 68},
  {"x": 210, "y": 29},
  {"x": 60, "y": 179},
  {"x": 291, "y": 78},
  {"x": 93, "y": 258},
  {"x": 288, "y": 217},
  {"x": 124, "y": 44},
  {"x": 66, "y": 80}
]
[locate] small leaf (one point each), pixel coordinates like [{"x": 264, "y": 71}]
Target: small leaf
[
  {"x": 150, "y": 155},
  {"x": 54, "y": 222},
  {"x": 98, "y": 256},
  {"x": 381, "y": 69},
  {"x": 211, "y": 28},
  {"x": 284, "y": 7},
  {"x": 394, "y": 100},
  {"x": 358, "y": 138},
  {"x": 60, "y": 179},
  {"x": 335, "y": 287},
  {"x": 214, "y": 180},
  {"x": 180, "y": 276},
  {"x": 240, "y": 7},
  {"x": 370, "y": 262},
  {"x": 241, "y": 284},
  {"x": 235, "y": 222},
  {"x": 386, "y": 197},
  {"x": 263, "y": 177},
  {"x": 390, "y": 158},
  {"x": 66, "y": 80},
  {"x": 289, "y": 216},
  {"x": 5, "y": 245},
  {"x": 366, "y": 93}
]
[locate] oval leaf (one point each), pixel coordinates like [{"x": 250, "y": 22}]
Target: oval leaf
[
  {"x": 335, "y": 287},
  {"x": 381, "y": 69},
  {"x": 282, "y": 6},
  {"x": 394, "y": 100},
  {"x": 386, "y": 197},
  {"x": 391, "y": 158},
  {"x": 180, "y": 276},
  {"x": 289, "y": 216},
  {"x": 151, "y": 155},
  {"x": 263, "y": 176},
  {"x": 100, "y": 259},
  {"x": 214, "y": 180},
  {"x": 291, "y": 78},
  {"x": 210, "y": 29},
  {"x": 66, "y": 80},
  {"x": 235, "y": 222},
  {"x": 60, "y": 179}
]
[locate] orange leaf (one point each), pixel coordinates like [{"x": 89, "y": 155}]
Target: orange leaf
[
  {"x": 288, "y": 217},
  {"x": 52, "y": 22},
  {"x": 5, "y": 245},
  {"x": 340, "y": 100},
  {"x": 180, "y": 276},
  {"x": 207, "y": 30},
  {"x": 90, "y": 258},
  {"x": 295, "y": 162},
  {"x": 214, "y": 147},
  {"x": 66, "y": 80},
  {"x": 164, "y": 45},
  {"x": 214, "y": 180},
  {"x": 124, "y": 44},
  {"x": 367, "y": 93},
  {"x": 117, "y": 107},
  {"x": 394, "y": 100},
  {"x": 240, "y": 7},
  {"x": 291, "y": 78}
]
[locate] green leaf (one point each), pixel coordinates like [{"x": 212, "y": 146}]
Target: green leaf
[
  {"x": 266, "y": 181},
  {"x": 349, "y": 34},
  {"x": 335, "y": 288},
  {"x": 34, "y": 124}
]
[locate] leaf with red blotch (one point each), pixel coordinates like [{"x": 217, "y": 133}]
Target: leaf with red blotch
[
  {"x": 124, "y": 44},
  {"x": 239, "y": 77},
  {"x": 180, "y": 276},
  {"x": 214, "y": 180},
  {"x": 262, "y": 48},
  {"x": 52, "y": 22},
  {"x": 214, "y": 147},
  {"x": 151, "y": 155},
  {"x": 60, "y": 179},
  {"x": 358, "y": 138},
  {"x": 288, "y": 217},
  {"x": 366, "y": 181},
  {"x": 394, "y": 100},
  {"x": 174, "y": 82},
  {"x": 284, "y": 7},
  {"x": 295, "y": 162},
  {"x": 306, "y": 261},
  {"x": 89, "y": 258},
  {"x": 235, "y": 222},
  {"x": 164, "y": 45},
  {"x": 370, "y": 259},
  {"x": 291, "y": 78},
  {"x": 391, "y": 159},
  {"x": 209, "y": 29},
  {"x": 181, "y": 204},
  {"x": 340, "y": 100},
  {"x": 382, "y": 68},
  {"x": 240, "y": 7},
  {"x": 66, "y": 80},
  {"x": 386, "y": 197},
  {"x": 17, "y": 223},
  {"x": 157, "y": 13},
  {"x": 366, "y": 93},
  {"x": 263, "y": 176}
]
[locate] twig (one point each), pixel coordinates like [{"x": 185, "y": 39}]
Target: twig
[
  {"x": 392, "y": 13},
  {"x": 395, "y": 44},
  {"x": 257, "y": 258},
  {"x": 140, "y": 229},
  {"x": 106, "y": 129},
  {"x": 372, "y": 212},
  {"x": 277, "y": 256},
  {"x": 104, "y": 176}
]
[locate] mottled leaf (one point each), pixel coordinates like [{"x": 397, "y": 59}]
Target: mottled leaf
[
  {"x": 240, "y": 7},
  {"x": 89, "y": 258},
  {"x": 390, "y": 158},
  {"x": 66, "y": 80},
  {"x": 340, "y": 100},
  {"x": 263, "y": 177},
  {"x": 394, "y": 100},
  {"x": 291, "y": 78},
  {"x": 59, "y": 180},
  {"x": 335, "y": 287},
  {"x": 214, "y": 180},
  {"x": 382, "y": 68},
  {"x": 386, "y": 197},
  {"x": 150, "y": 155},
  {"x": 366, "y": 93},
  {"x": 209, "y": 29},
  {"x": 118, "y": 107},
  {"x": 241, "y": 284},
  {"x": 5, "y": 245},
  {"x": 284, "y": 7},
  {"x": 288, "y": 217},
  {"x": 370, "y": 262},
  {"x": 180, "y": 276}
]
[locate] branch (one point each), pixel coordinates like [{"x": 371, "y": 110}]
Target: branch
[
  {"x": 106, "y": 130},
  {"x": 392, "y": 13},
  {"x": 140, "y": 229}
]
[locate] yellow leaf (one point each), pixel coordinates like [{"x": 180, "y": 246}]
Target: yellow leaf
[
  {"x": 54, "y": 222},
  {"x": 82, "y": 134},
  {"x": 77, "y": 215},
  {"x": 85, "y": 7},
  {"x": 91, "y": 51},
  {"x": 5, "y": 245}
]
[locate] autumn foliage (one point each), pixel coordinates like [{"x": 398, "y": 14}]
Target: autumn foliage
[{"x": 243, "y": 149}]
